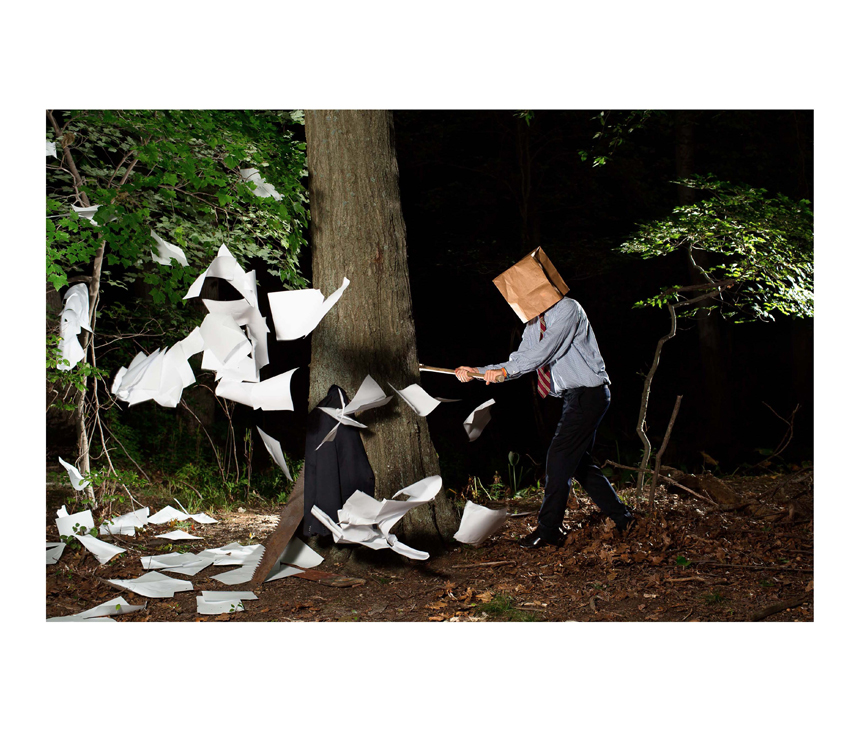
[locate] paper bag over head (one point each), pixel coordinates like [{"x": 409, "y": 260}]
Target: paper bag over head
[{"x": 532, "y": 285}]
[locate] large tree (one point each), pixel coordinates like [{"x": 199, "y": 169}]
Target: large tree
[{"x": 358, "y": 232}]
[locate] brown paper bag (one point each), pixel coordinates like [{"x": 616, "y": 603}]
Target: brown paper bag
[{"x": 532, "y": 285}]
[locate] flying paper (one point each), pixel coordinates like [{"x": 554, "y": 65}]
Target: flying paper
[
  {"x": 165, "y": 252},
  {"x": 274, "y": 393},
  {"x": 245, "y": 315},
  {"x": 238, "y": 391},
  {"x": 154, "y": 585},
  {"x": 273, "y": 447},
  {"x": 54, "y": 552},
  {"x": 102, "y": 550},
  {"x": 368, "y": 396},
  {"x": 74, "y": 319},
  {"x": 51, "y": 149},
  {"x": 419, "y": 400},
  {"x": 125, "y": 525},
  {"x": 296, "y": 313},
  {"x": 77, "y": 481},
  {"x": 226, "y": 267},
  {"x": 477, "y": 420},
  {"x": 263, "y": 189},
  {"x": 65, "y": 523},
  {"x": 479, "y": 523},
  {"x": 87, "y": 213},
  {"x": 364, "y": 520}
]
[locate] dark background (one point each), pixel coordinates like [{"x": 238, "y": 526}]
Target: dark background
[{"x": 462, "y": 176}]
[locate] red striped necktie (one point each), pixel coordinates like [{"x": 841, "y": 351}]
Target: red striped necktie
[{"x": 544, "y": 378}]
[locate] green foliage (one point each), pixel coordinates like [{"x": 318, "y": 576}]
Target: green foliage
[
  {"x": 616, "y": 126},
  {"x": 761, "y": 247},
  {"x": 683, "y": 561},
  {"x": 176, "y": 172},
  {"x": 502, "y": 607}
]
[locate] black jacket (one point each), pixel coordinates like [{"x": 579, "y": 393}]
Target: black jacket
[{"x": 334, "y": 472}]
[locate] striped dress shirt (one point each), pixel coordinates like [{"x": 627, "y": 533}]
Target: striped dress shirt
[{"x": 568, "y": 347}]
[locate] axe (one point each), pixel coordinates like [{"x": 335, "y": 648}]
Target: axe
[{"x": 479, "y": 376}]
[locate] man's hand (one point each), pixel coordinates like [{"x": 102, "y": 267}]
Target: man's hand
[
  {"x": 492, "y": 375},
  {"x": 463, "y": 372}
]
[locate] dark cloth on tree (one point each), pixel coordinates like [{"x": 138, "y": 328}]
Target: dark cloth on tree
[
  {"x": 569, "y": 456},
  {"x": 335, "y": 471}
]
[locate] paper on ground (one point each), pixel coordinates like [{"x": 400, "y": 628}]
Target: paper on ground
[
  {"x": 154, "y": 585},
  {"x": 72, "y": 618},
  {"x": 245, "y": 571},
  {"x": 125, "y": 525},
  {"x": 110, "y": 608},
  {"x": 54, "y": 552},
  {"x": 364, "y": 520},
  {"x": 102, "y": 550},
  {"x": 223, "y": 602},
  {"x": 225, "y": 266},
  {"x": 231, "y": 555},
  {"x": 477, "y": 420},
  {"x": 274, "y": 449},
  {"x": 179, "y": 535},
  {"x": 179, "y": 563},
  {"x": 298, "y": 554},
  {"x": 264, "y": 189},
  {"x": 77, "y": 481},
  {"x": 165, "y": 252},
  {"x": 296, "y": 313},
  {"x": 66, "y": 523},
  {"x": 419, "y": 400},
  {"x": 166, "y": 515},
  {"x": 479, "y": 523}
]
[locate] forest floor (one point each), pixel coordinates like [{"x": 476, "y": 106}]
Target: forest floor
[{"x": 694, "y": 562}]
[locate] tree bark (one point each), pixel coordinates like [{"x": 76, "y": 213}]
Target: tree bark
[{"x": 358, "y": 231}]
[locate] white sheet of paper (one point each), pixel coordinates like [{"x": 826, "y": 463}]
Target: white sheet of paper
[
  {"x": 166, "y": 515},
  {"x": 274, "y": 393},
  {"x": 245, "y": 571},
  {"x": 154, "y": 585},
  {"x": 179, "y": 535},
  {"x": 77, "y": 481},
  {"x": 474, "y": 423},
  {"x": 244, "y": 369},
  {"x": 366, "y": 521},
  {"x": 369, "y": 396},
  {"x": 298, "y": 553},
  {"x": 54, "y": 552},
  {"x": 73, "y": 319},
  {"x": 225, "y": 339},
  {"x": 110, "y": 608},
  {"x": 238, "y": 391},
  {"x": 274, "y": 449},
  {"x": 202, "y": 518},
  {"x": 417, "y": 399},
  {"x": 87, "y": 213},
  {"x": 264, "y": 189},
  {"x": 179, "y": 563},
  {"x": 125, "y": 525},
  {"x": 223, "y": 596},
  {"x": 229, "y": 606},
  {"x": 296, "y": 313},
  {"x": 245, "y": 315},
  {"x": 102, "y": 550},
  {"x": 479, "y": 523},
  {"x": 165, "y": 252},
  {"x": 51, "y": 149},
  {"x": 225, "y": 266},
  {"x": 66, "y": 523},
  {"x": 232, "y": 554}
]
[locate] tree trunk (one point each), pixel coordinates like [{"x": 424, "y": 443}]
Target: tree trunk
[{"x": 358, "y": 232}]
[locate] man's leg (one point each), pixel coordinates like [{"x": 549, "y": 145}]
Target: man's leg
[
  {"x": 601, "y": 491},
  {"x": 573, "y": 438}
]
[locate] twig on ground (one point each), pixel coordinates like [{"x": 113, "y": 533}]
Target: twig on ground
[
  {"x": 764, "y": 567},
  {"x": 661, "y": 452},
  {"x": 482, "y": 565},
  {"x": 780, "y": 607}
]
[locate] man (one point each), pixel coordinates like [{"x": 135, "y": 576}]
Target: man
[{"x": 560, "y": 346}]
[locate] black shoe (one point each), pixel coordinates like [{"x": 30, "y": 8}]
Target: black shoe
[
  {"x": 627, "y": 527},
  {"x": 535, "y": 539}
]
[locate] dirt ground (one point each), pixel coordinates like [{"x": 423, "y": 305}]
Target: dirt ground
[{"x": 694, "y": 562}]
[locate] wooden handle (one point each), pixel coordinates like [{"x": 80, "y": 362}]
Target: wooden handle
[{"x": 478, "y": 376}]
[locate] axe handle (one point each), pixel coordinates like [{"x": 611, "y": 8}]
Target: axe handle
[{"x": 479, "y": 376}]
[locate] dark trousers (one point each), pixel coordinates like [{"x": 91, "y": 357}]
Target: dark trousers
[{"x": 569, "y": 456}]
